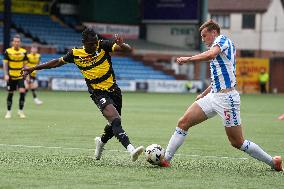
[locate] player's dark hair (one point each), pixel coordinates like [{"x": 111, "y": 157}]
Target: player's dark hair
[
  {"x": 210, "y": 25},
  {"x": 89, "y": 34}
]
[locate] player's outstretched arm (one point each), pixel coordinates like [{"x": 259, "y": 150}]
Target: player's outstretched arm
[
  {"x": 205, "y": 56},
  {"x": 48, "y": 65},
  {"x": 120, "y": 45}
]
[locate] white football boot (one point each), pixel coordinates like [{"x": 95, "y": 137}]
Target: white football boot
[
  {"x": 136, "y": 153},
  {"x": 8, "y": 115},
  {"x": 99, "y": 148},
  {"x": 21, "y": 114},
  {"x": 37, "y": 101}
]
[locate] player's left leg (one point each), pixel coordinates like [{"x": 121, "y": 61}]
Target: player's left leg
[
  {"x": 22, "y": 92},
  {"x": 228, "y": 107},
  {"x": 108, "y": 130},
  {"x": 110, "y": 104},
  {"x": 112, "y": 116},
  {"x": 117, "y": 99},
  {"x": 235, "y": 136},
  {"x": 33, "y": 87}
]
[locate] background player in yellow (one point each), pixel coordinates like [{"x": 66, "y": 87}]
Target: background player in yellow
[
  {"x": 15, "y": 59},
  {"x": 94, "y": 62},
  {"x": 31, "y": 80}
]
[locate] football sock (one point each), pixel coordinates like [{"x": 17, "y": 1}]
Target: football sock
[
  {"x": 256, "y": 152},
  {"x": 22, "y": 101},
  {"x": 34, "y": 93},
  {"x": 130, "y": 148},
  {"x": 119, "y": 133},
  {"x": 108, "y": 133},
  {"x": 175, "y": 142},
  {"x": 9, "y": 101}
]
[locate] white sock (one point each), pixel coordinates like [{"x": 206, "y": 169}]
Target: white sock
[
  {"x": 174, "y": 143},
  {"x": 256, "y": 152},
  {"x": 130, "y": 148}
]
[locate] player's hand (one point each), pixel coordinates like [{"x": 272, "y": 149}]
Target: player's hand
[
  {"x": 26, "y": 71},
  {"x": 6, "y": 77},
  {"x": 199, "y": 97},
  {"x": 182, "y": 60},
  {"x": 118, "y": 39}
]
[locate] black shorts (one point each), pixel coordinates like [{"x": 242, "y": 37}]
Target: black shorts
[
  {"x": 104, "y": 98},
  {"x": 13, "y": 85}
]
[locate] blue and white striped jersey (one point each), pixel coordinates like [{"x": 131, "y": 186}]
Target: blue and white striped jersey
[{"x": 223, "y": 67}]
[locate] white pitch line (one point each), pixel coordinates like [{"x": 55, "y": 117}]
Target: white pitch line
[
  {"x": 90, "y": 149},
  {"x": 47, "y": 147}
]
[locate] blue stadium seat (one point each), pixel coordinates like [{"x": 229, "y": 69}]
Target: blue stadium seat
[
  {"x": 47, "y": 30},
  {"x": 25, "y": 40},
  {"x": 124, "y": 67}
]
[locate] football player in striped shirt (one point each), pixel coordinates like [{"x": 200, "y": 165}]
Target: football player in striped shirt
[
  {"x": 94, "y": 62},
  {"x": 220, "y": 98},
  {"x": 14, "y": 60}
]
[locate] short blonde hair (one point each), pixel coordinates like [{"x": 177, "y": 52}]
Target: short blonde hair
[
  {"x": 210, "y": 25},
  {"x": 34, "y": 45},
  {"x": 16, "y": 36}
]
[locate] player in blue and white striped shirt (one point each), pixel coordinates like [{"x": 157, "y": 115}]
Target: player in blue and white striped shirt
[
  {"x": 219, "y": 98},
  {"x": 223, "y": 66}
]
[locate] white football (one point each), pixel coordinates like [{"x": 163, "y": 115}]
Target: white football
[{"x": 154, "y": 154}]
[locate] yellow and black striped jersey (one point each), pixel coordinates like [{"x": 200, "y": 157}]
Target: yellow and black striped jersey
[
  {"x": 97, "y": 67},
  {"x": 15, "y": 59},
  {"x": 33, "y": 60}
]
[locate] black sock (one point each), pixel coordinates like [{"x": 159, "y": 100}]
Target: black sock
[
  {"x": 108, "y": 133},
  {"x": 34, "y": 94},
  {"x": 9, "y": 101},
  {"x": 119, "y": 133},
  {"x": 22, "y": 101}
]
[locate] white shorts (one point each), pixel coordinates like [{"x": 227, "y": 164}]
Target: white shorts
[{"x": 227, "y": 105}]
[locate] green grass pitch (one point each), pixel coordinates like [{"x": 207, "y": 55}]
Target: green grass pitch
[{"x": 53, "y": 146}]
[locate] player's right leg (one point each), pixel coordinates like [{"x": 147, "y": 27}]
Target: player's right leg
[
  {"x": 193, "y": 115},
  {"x": 198, "y": 112},
  {"x": 101, "y": 141},
  {"x": 11, "y": 87},
  {"x": 9, "y": 104}
]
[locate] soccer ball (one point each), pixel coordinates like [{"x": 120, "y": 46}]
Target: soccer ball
[{"x": 154, "y": 154}]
